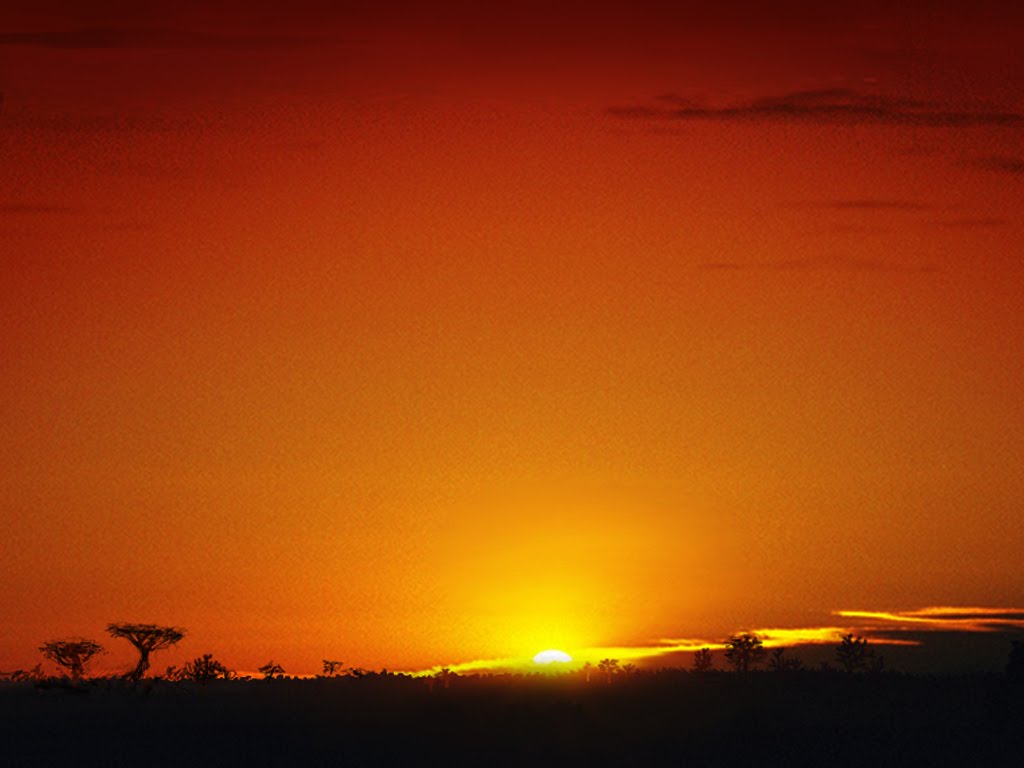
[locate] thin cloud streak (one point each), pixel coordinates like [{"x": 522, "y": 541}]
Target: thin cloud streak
[
  {"x": 1013, "y": 166},
  {"x": 946, "y": 618},
  {"x": 840, "y": 106},
  {"x": 154, "y": 38},
  {"x": 871, "y": 204},
  {"x": 981, "y": 222},
  {"x": 842, "y": 264}
]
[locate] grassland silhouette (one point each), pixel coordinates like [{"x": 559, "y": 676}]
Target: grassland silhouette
[{"x": 756, "y": 708}]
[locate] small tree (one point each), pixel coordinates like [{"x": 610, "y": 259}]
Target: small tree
[
  {"x": 444, "y": 674},
  {"x": 702, "y": 661},
  {"x": 332, "y": 668},
  {"x": 608, "y": 667},
  {"x": 779, "y": 662},
  {"x": 271, "y": 670},
  {"x": 588, "y": 670},
  {"x": 744, "y": 651},
  {"x": 630, "y": 670},
  {"x": 853, "y": 653},
  {"x": 201, "y": 670},
  {"x": 73, "y": 654},
  {"x": 147, "y": 639}
]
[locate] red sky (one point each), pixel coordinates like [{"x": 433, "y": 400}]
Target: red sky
[{"x": 426, "y": 333}]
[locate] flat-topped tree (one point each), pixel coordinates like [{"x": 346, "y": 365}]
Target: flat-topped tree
[
  {"x": 147, "y": 638},
  {"x": 73, "y": 653}
]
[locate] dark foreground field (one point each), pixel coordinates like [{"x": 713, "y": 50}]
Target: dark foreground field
[{"x": 671, "y": 718}]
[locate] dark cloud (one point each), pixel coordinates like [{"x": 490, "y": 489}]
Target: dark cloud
[
  {"x": 33, "y": 209},
  {"x": 154, "y": 38},
  {"x": 831, "y": 106},
  {"x": 1002, "y": 164},
  {"x": 858, "y": 229},
  {"x": 871, "y": 204},
  {"x": 971, "y": 223},
  {"x": 105, "y": 122}
]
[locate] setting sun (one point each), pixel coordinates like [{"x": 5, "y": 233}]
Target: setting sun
[{"x": 552, "y": 656}]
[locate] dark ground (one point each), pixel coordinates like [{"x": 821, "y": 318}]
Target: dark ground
[{"x": 670, "y": 718}]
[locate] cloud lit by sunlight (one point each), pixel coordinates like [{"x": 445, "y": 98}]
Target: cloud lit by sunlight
[{"x": 949, "y": 618}]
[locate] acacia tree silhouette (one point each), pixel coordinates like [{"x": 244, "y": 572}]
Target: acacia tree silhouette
[
  {"x": 74, "y": 654},
  {"x": 744, "y": 651},
  {"x": 853, "y": 653},
  {"x": 147, "y": 639}
]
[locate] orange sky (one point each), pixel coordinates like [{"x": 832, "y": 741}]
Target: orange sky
[{"x": 429, "y": 333}]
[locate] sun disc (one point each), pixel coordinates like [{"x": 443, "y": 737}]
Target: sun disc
[{"x": 547, "y": 657}]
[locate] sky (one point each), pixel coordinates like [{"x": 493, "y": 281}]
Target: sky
[{"x": 413, "y": 334}]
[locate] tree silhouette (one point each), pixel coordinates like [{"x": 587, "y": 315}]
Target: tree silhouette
[
  {"x": 609, "y": 667},
  {"x": 74, "y": 654},
  {"x": 853, "y": 653},
  {"x": 270, "y": 670},
  {"x": 744, "y": 651},
  {"x": 446, "y": 675},
  {"x": 147, "y": 639},
  {"x": 588, "y": 670},
  {"x": 332, "y": 668},
  {"x": 201, "y": 670},
  {"x": 702, "y": 661},
  {"x": 630, "y": 670}
]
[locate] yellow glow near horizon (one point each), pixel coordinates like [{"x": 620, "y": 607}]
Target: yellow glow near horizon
[{"x": 664, "y": 648}]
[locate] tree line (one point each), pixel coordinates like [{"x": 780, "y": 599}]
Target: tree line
[{"x": 743, "y": 652}]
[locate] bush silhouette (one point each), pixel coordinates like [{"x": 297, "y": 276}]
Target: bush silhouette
[{"x": 201, "y": 670}]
